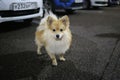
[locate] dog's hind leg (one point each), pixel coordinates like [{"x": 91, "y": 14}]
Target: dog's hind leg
[
  {"x": 39, "y": 49},
  {"x": 61, "y": 56}
]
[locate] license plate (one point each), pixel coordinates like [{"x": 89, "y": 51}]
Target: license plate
[
  {"x": 78, "y": 1},
  {"x": 24, "y": 6}
]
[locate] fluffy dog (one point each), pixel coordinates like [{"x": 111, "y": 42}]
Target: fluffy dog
[{"x": 54, "y": 34}]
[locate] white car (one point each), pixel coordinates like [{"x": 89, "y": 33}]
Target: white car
[
  {"x": 94, "y": 3},
  {"x": 11, "y": 10}
]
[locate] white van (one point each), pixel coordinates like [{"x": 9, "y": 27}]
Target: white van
[
  {"x": 94, "y": 3},
  {"x": 26, "y": 10}
]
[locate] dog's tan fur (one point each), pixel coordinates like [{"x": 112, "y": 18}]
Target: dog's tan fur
[{"x": 46, "y": 36}]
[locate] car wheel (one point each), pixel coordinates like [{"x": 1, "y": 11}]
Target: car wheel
[
  {"x": 109, "y": 2},
  {"x": 118, "y": 2},
  {"x": 86, "y": 4},
  {"x": 48, "y": 5}
]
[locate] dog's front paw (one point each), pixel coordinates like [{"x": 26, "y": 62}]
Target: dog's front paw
[
  {"x": 39, "y": 53},
  {"x": 54, "y": 63},
  {"x": 62, "y": 59}
]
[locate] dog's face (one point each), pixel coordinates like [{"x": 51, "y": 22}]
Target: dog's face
[{"x": 58, "y": 27}]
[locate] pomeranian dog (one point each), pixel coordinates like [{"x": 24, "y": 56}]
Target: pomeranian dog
[{"x": 54, "y": 34}]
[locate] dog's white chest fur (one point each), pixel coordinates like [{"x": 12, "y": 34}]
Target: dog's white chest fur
[{"x": 57, "y": 47}]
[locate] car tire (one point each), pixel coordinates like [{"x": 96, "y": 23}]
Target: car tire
[
  {"x": 109, "y": 3},
  {"x": 86, "y": 4},
  {"x": 49, "y": 5},
  {"x": 118, "y": 3}
]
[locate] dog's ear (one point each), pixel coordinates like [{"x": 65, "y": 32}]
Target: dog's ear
[
  {"x": 49, "y": 20},
  {"x": 65, "y": 20}
]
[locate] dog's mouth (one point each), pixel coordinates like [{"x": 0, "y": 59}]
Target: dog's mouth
[{"x": 59, "y": 39}]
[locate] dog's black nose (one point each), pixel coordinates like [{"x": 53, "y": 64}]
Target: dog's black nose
[{"x": 57, "y": 36}]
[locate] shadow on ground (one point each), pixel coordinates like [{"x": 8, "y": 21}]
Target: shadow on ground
[
  {"x": 12, "y": 26},
  {"x": 60, "y": 14},
  {"x": 29, "y": 66},
  {"x": 110, "y": 35},
  {"x": 20, "y": 65},
  {"x": 94, "y": 8}
]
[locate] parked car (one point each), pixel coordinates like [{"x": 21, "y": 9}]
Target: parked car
[
  {"x": 113, "y": 2},
  {"x": 67, "y": 5},
  {"x": 26, "y": 10},
  {"x": 94, "y": 3}
]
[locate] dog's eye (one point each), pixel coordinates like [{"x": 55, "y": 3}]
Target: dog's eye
[
  {"x": 53, "y": 30},
  {"x": 61, "y": 30}
]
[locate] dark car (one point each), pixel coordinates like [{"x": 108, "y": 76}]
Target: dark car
[
  {"x": 113, "y": 2},
  {"x": 67, "y": 5}
]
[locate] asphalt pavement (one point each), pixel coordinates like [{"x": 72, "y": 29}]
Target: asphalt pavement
[{"x": 94, "y": 54}]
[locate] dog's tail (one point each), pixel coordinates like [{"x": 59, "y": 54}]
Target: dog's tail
[
  {"x": 48, "y": 12},
  {"x": 52, "y": 14},
  {"x": 43, "y": 19}
]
